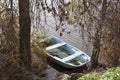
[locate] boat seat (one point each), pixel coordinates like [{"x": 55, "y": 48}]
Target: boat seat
[
  {"x": 71, "y": 57},
  {"x": 55, "y": 46}
]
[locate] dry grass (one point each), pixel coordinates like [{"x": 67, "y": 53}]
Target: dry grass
[
  {"x": 39, "y": 61},
  {"x": 10, "y": 69}
]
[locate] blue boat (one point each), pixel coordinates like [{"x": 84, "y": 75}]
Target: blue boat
[{"x": 64, "y": 54}]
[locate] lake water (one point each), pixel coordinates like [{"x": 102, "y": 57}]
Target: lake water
[{"x": 48, "y": 23}]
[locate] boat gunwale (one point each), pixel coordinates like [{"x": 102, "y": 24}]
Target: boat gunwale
[{"x": 62, "y": 60}]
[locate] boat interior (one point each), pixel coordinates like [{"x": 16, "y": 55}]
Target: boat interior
[{"x": 67, "y": 53}]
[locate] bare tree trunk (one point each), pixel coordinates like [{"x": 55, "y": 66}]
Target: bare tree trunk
[
  {"x": 110, "y": 49},
  {"x": 95, "y": 51},
  {"x": 98, "y": 33},
  {"x": 24, "y": 49}
]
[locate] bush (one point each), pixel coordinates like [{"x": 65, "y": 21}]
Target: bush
[
  {"x": 39, "y": 59},
  {"x": 91, "y": 76},
  {"x": 10, "y": 69},
  {"x": 110, "y": 74}
]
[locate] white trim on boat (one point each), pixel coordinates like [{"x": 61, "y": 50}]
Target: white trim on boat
[
  {"x": 71, "y": 57},
  {"x": 55, "y": 46}
]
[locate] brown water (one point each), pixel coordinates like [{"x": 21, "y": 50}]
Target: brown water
[{"x": 74, "y": 39}]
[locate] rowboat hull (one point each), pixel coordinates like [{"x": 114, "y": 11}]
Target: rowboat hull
[
  {"x": 65, "y": 54},
  {"x": 64, "y": 64}
]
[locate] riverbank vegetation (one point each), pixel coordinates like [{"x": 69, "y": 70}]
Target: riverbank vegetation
[{"x": 109, "y": 74}]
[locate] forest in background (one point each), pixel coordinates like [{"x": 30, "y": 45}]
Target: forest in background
[{"x": 100, "y": 19}]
